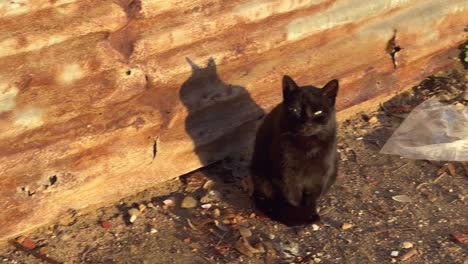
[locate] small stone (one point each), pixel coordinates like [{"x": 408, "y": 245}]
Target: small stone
[
  {"x": 134, "y": 213},
  {"x": 394, "y": 253},
  {"x": 345, "y": 226},
  {"x": 315, "y": 227},
  {"x": 291, "y": 248},
  {"x": 26, "y": 242},
  {"x": 65, "y": 237},
  {"x": 206, "y": 206},
  {"x": 141, "y": 207},
  {"x": 153, "y": 230},
  {"x": 169, "y": 202},
  {"x": 150, "y": 205},
  {"x": 253, "y": 215},
  {"x": 317, "y": 260},
  {"x": 188, "y": 202},
  {"x": 211, "y": 196},
  {"x": 216, "y": 212},
  {"x": 208, "y": 185},
  {"x": 106, "y": 224},
  {"x": 406, "y": 245},
  {"x": 187, "y": 240},
  {"x": 373, "y": 120},
  {"x": 44, "y": 250},
  {"x": 459, "y": 106},
  {"x": 271, "y": 236}
]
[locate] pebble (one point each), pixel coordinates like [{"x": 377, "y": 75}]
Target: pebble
[
  {"x": 106, "y": 224},
  {"x": 394, "y": 253},
  {"x": 134, "y": 213},
  {"x": 315, "y": 227},
  {"x": 211, "y": 196},
  {"x": 373, "y": 120},
  {"x": 208, "y": 184},
  {"x": 345, "y": 226},
  {"x": 169, "y": 202},
  {"x": 317, "y": 260},
  {"x": 459, "y": 106},
  {"x": 216, "y": 212},
  {"x": 150, "y": 205},
  {"x": 44, "y": 250},
  {"x": 141, "y": 207},
  {"x": 153, "y": 230},
  {"x": 26, "y": 242},
  {"x": 406, "y": 245},
  {"x": 206, "y": 206},
  {"x": 291, "y": 249},
  {"x": 188, "y": 202},
  {"x": 65, "y": 237}
]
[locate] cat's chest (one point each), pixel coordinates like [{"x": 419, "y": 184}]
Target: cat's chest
[{"x": 300, "y": 149}]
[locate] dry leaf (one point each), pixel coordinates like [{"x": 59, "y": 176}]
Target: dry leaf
[
  {"x": 244, "y": 247},
  {"x": 452, "y": 170},
  {"x": 402, "y": 198},
  {"x": 409, "y": 254},
  {"x": 459, "y": 237},
  {"x": 245, "y": 232}
]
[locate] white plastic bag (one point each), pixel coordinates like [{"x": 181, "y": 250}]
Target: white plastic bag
[{"x": 432, "y": 131}]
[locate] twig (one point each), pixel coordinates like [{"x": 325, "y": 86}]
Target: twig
[
  {"x": 440, "y": 177},
  {"x": 35, "y": 254},
  {"x": 421, "y": 185},
  {"x": 390, "y": 112},
  {"x": 221, "y": 239},
  {"x": 328, "y": 211}
]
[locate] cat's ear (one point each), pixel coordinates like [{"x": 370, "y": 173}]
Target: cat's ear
[
  {"x": 330, "y": 89},
  {"x": 195, "y": 68},
  {"x": 288, "y": 86},
  {"x": 211, "y": 63}
]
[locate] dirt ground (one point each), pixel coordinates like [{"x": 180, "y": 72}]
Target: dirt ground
[{"x": 383, "y": 209}]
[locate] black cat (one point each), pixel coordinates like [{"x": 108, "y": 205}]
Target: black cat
[{"x": 295, "y": 158}]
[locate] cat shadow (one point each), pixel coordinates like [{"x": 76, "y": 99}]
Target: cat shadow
[{"x": 222, "y": 120}]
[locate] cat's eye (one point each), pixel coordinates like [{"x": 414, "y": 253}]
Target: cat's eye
[
  {"x": 318, "y": 113},
  {"x": 295, "y": 111}
]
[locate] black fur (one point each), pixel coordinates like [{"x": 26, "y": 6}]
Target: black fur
[{"x": 295, "y": 159}]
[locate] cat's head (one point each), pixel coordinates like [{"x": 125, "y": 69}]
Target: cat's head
[{"x": 309, "y": 110}]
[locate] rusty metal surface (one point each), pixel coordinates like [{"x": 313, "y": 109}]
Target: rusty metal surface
[{"x": 111, "y": 97}]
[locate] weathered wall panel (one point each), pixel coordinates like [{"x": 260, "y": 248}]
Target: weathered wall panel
[{"x": 88, "y": 88}]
